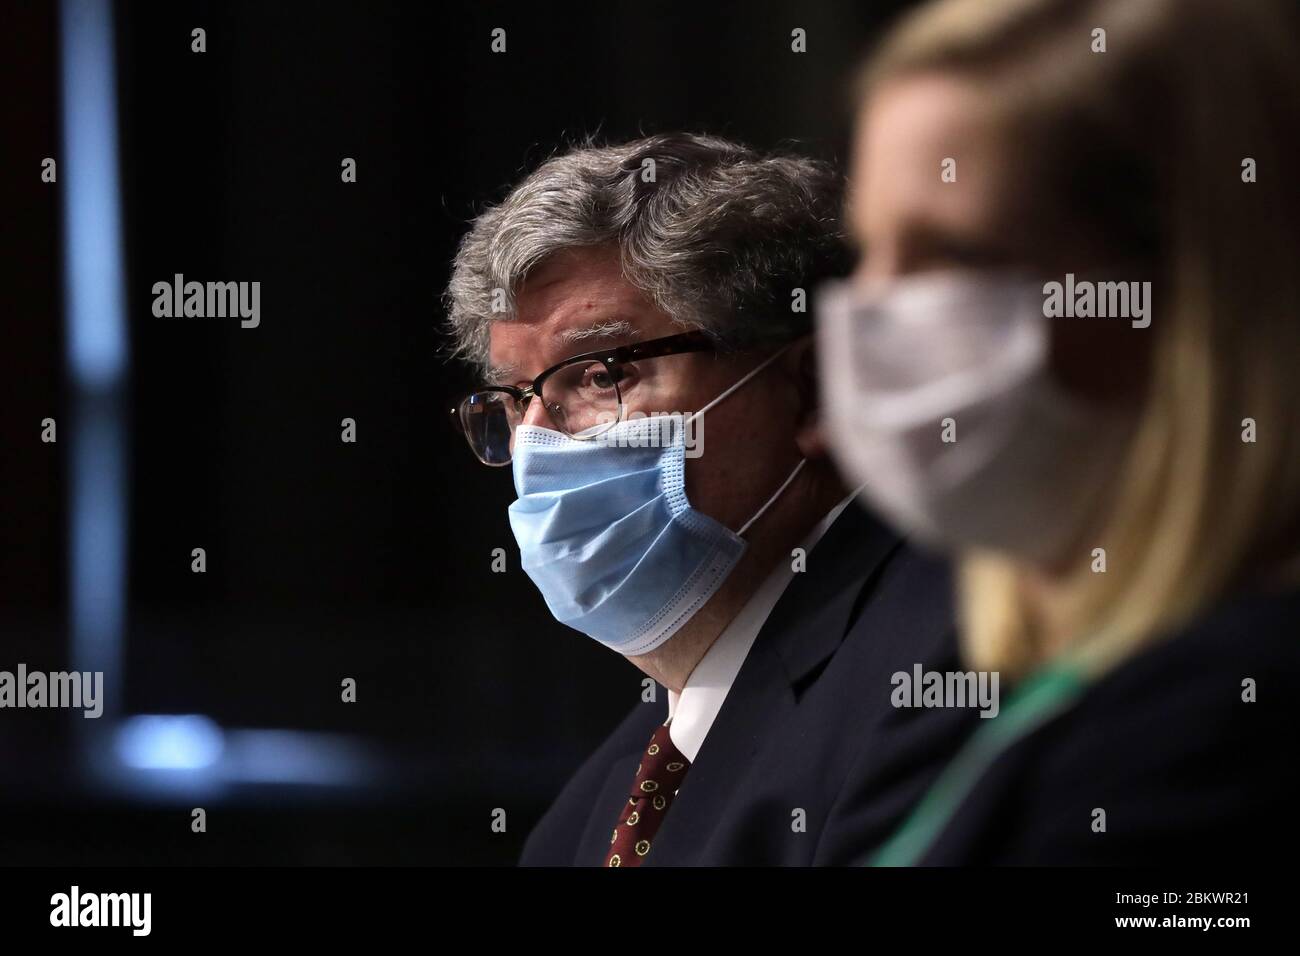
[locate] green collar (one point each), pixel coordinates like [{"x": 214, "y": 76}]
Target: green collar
[{"x": 1040, "y": 697}]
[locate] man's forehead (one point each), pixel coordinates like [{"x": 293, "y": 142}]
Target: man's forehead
[
  {"x": 572, "y": 283},
  {"x": 571, "y": 303}
]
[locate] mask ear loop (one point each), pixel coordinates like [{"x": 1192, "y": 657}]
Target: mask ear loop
[
  {"x": 740, "y": 381},
  {"x": 770, "y": 501}
]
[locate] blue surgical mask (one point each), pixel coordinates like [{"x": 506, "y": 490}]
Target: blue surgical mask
[{"x": 606, "y": 533}]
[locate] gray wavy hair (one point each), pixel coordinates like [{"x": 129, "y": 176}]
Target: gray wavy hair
[{"x": 719, "y": 240}]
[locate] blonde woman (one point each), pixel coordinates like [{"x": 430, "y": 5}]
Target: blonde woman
[{"x": 1070, "y": 356}]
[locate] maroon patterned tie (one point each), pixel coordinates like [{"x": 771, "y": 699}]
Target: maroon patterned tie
[{"x": 657, "y": 778}]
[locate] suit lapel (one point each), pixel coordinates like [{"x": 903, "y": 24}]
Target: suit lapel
[
  {"x": 809, "y": 622},
  {"x": 760, "y": 694},
  {"x": 804, "y": 629}
]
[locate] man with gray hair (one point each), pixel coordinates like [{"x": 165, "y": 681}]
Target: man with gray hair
[{"x": 630, "y": 290}]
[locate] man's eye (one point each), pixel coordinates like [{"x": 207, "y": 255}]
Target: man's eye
[{"x": 604, "y": 377}]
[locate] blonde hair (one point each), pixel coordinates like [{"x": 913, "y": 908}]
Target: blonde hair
[{"x": 1187, "y": 90}]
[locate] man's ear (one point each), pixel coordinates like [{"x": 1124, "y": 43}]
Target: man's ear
[{"x": 808, "y": 433}]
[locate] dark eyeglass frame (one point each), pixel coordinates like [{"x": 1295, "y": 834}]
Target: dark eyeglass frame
[{"x": 678, "y": 344}]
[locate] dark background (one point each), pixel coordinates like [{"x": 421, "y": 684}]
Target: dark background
[{"x": 329, "y": 560}]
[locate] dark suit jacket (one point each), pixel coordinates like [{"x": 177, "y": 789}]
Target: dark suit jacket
[
  {"x": 807, "y": 726},
  {"x": 1188, "y": 773}
]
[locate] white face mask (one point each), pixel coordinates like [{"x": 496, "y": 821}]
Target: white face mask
[{"x": 910, "y": 362}]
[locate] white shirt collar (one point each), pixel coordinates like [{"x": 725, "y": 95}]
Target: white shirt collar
[{"x": 692, "y": 712}]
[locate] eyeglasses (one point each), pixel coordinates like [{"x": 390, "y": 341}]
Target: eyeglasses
[{"x": 581, "y": 396}]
